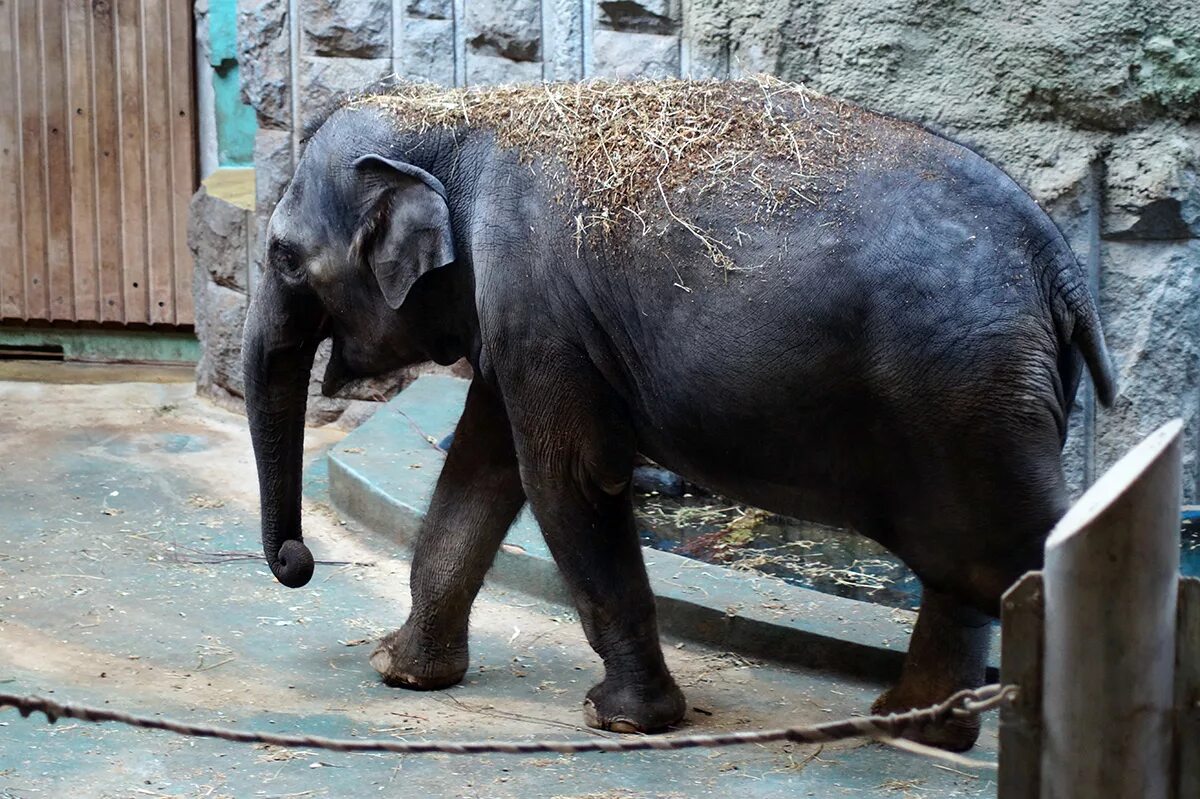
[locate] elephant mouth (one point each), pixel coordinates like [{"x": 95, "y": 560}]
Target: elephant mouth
[{"x": 337, "y": 374}]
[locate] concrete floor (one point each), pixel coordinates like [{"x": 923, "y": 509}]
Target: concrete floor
[{"x": 124, "y": 510}]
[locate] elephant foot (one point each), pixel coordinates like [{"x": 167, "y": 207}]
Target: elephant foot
[
  {"x": 403, "y": 661},
  {"x": 629, "y": 708},
  {"x": 953, "y": 735}
]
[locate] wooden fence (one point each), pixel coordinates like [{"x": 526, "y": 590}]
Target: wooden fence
[
  {"x": 97, "y": 161},
  {"x": 1104, "y": 645}
]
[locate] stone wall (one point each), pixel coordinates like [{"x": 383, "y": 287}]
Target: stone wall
[{"x": 1093, "y": 106}]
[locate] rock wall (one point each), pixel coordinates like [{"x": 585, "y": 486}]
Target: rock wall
[{"x": 1093, "y": 106}]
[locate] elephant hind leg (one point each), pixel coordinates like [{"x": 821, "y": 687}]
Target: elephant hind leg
[
  {"x": 947, "y": 653},
  {"x": 990, "y": 533}
]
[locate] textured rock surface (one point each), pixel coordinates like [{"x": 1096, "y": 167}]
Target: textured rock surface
[
  {"x": 1094, "y": 107},
  {"x": 639, "y": 16},
  {"x": 427, "y": 51},
  {"x": 217, "y": 236},
  {"x": 264, "y": 60},
  {"x": 509, "y": 29},
  {"x": 629, "y": 55},
  {"x": 1104, "y": 64},
  {"x": 272, "y": 171},
  {"x": 325, "y": 80},
  {"x": 360, "y": 29},
  {"x": 483, "y": 70},
  {"x": 1152, "y": 184},
  {"x": 563, "y": 29},
  {"x": 219, "y": 371},
  {"x": 1149, "y": 300},
  {"x": 203, "y": 42},
  {"x": 430, "y": 9}
]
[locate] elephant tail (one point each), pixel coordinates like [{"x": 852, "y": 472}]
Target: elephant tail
[
  {"x": 1076, "y": 316},
  {"x": 1089, "y": 338}
]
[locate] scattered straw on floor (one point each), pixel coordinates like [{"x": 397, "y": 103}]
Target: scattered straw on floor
[{"x": 633, "y": 149}]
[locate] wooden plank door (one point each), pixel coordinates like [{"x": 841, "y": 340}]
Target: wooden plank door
[{"x": 97, "y": 161}]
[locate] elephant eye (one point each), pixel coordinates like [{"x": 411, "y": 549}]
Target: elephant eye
[{"x": 283, "y": 257}]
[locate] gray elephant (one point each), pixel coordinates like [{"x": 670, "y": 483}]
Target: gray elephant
[{"x": 808, "y": 307}]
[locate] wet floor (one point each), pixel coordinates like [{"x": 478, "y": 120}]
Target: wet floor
[{"x": 130, "y": 578}]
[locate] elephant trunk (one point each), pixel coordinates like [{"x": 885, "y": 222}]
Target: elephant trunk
[{"x": 280, "y": 341}]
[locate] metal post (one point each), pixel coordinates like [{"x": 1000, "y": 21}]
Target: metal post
[{"x": 1111, "y": 582}]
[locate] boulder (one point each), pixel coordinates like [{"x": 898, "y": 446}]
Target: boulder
[
  {"x": 1152, "y": 321},
  {"x": 639, "y": 16},
  {"x": 427, "y": 51},
  {"x": 1152, "y": 184},
  {"x": 218, "y": 239},
  {"x": 430, "y": 9},
  {"x": 220, "y": 317},
  {"x": 264, "y": 60},
  {"x": 563, "y": 48},
  {"x": 327, "y": 81},
  {"x": 272, "y": 171},
  {"x": 629, "y": 55},
  {"x": 350, "y": 28},
  {"x": 510, "y": 29}
]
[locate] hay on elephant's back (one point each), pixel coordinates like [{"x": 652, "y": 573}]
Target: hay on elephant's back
[{"x": 631, "y": 147}]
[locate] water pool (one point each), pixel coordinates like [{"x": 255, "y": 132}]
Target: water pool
[{"x": 826, "y": 559}]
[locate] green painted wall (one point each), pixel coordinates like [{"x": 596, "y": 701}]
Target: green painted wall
[
  {"x": 236, "y": 124},
  {"x": 108, "y": 345}
]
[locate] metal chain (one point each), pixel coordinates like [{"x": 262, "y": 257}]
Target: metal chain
[{"x": 963, "y": 704}]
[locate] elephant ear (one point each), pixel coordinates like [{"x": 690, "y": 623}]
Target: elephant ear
[{"x": 406, "y": 229}]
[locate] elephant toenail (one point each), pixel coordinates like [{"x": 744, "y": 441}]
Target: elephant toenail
[{"x": 381, "y": 661}]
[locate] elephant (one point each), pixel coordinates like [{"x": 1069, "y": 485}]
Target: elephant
[{"x": 800, "y": 304}]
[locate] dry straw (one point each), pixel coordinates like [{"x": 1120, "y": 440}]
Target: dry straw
[{"x": 645, "y": 149}]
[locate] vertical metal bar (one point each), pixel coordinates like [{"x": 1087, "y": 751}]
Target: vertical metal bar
[
  {"x": 1112, "y": 568},
  {"x": 293, "y": 12},
  {"x": 587, "y": 19},
  {"x": 1022, "y": 649},
  {"x": 460, "y": 43},
  {"x": 548, "y": 35},
  {"x": 1088, "y": 396},
  {"x": 1187, "y": 691},
  {"x": 397, "y": 34}
]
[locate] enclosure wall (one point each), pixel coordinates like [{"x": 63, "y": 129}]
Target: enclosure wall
[{"x": 1093, "y": 106}]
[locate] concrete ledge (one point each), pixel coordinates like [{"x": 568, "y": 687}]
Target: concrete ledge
[{"x": 383, "y": 474}]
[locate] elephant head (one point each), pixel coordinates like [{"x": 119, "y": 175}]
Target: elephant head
[{"x": 357, "y": 231}]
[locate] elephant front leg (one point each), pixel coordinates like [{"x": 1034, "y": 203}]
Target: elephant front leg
[
  {"x": 948, "y": 652},
  {"x": 478, "y": 495},
  {"x": 576, "y": 463}
]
